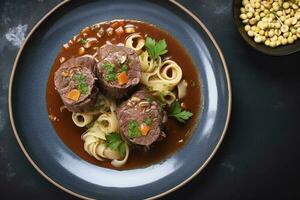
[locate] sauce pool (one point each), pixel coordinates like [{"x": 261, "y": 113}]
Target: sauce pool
[{"x": 177, "y": 133}]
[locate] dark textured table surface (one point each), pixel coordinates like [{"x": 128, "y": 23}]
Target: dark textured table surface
[{"x": 259, "y": 158}]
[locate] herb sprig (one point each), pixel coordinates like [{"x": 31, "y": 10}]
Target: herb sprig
[
  {"x": 179, "y": 114},
  {"x": 155, "y": 49},
  {"x": 114, "y": 142}
]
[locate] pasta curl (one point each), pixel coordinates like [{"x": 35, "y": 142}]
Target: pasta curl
[
  {"x": 165, "y": 77},
  {"x": 82, "y": 119},
  {"x": 103, "y": 104},
  {"x": 167, "y": 97},
  {"x": 149, "y": 64},
  {"x": 95, "y": 138},
  {"x": 140, "y": 42}
]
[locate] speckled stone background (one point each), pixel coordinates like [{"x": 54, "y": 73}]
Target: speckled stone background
[{"x": 259, "y": 158}]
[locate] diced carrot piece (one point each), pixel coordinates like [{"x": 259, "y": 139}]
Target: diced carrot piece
[
  {"x": 73, "y": 95},
  {"x": 115, "y": 25},
  {"x": 65, "y": 73},
  {"x": 144, "y": 129},
  {"x": 122, "y": 78}
]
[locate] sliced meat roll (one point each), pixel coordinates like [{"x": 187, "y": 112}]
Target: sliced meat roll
[
  {"x": 76, "y": 83},
  {"x": 118, "y": 71},
  {"x": 141, "y": 119}
]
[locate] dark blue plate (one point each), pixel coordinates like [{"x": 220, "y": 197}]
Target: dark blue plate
[{"x": 57, "y": 163}]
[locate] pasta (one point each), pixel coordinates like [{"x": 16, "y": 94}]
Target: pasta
[
  {"x": 107, "y": 123},
  {"x": 119, "y": 163},
  {"x": 98, "y": 148},
  {"x": 94, "y": 131},
  {"x": 148, "y": 64},
  {"x": 82, "y": 119},
  {"x": 111, "y": 154},
  {"x": 160, "y": 77},
  {"x": 169, "y": 97},
  {"x": 140, "y": 42},
  {"x": 103, "y": 105},
  {"x": 165, "y": 77},
  {"x": 94, "y": 138},
  {"x": 92, "y": 147},
  {"x": 175, "y": 71}
]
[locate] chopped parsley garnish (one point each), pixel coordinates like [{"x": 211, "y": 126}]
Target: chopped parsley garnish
[
  {"x": 133, "y": 129},
  {"x": 114, "y": 142},
  {"x": 155, "y": 49},
  {"x": 111, "y": 75},
  {"x": 108, "y": 66},
  {"x": 83, "y": 41},
  {"x": 179, "y": 114},
  {"x": 148, "y": 121},
  {"x": 111, "y": 72},
  {"x": 124, "y": 68},
  {"x": 78, "y": 77},
  {"x": 80, "y": 80}
]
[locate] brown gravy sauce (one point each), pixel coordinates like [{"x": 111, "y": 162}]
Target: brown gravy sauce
[{"x": 177, "y": 134}]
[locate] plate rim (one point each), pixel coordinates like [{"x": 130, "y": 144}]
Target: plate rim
[{"x": 199, "y": 22}]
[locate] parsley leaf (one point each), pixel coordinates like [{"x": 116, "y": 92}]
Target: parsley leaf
[
  {"x": 155, "y": 49},
  {"x": 178, "y": 113},
  {"x": 148, "y": 121},
  {"x": 80, "y": 80},
  {"x": 110, "y": 71},
  {"x": 124, "y": 68},
  {"x": 111, "y": 77},
  {"x": 175, "y": 108},
  {"x": 114, "y": 142},
  {"x": 133, "y": 129},
  {"x": 83, "y": 88},
  {"x": 122, "y": 149},
  {"x": 78, "y": 77},
  {"x": 107, "y": 65}
]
